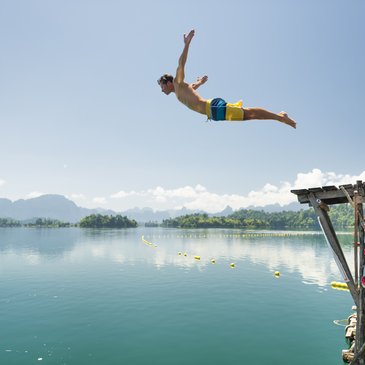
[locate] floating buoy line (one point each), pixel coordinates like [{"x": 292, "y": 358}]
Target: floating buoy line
[
  {"x": 232, "y": 235},
  {"x": 334, "y": 284},
  {"x": 185, "y": 254},
  {"x": 213, "y": 261},
  {"x": 148, "y": 243},
  {"x": 237, "y": 235}
]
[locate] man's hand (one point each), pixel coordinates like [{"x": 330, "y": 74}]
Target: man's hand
[
  {"x": 199, "y": 81},
  {"x": 189, "y": 37},
  {"x": 202, "y": 80}
]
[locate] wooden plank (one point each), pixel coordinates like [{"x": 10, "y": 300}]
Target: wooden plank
[
  {"x": 299, "y": 191},
  {"x": 329, "y": 188},
  {"x": 335, "y": 201},
  {"x": 348, "y": 186},
  {"x": 315, "y": 190},
  {"x": 328, "y": 197},
  {"x": 303, "y": 199},
  {"x": 328, "y": 194}
]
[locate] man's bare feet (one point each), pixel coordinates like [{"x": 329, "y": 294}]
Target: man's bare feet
[{"x": 286, "y": 120}]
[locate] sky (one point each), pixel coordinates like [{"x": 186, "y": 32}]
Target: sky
[{"x": 81, "y": 113}]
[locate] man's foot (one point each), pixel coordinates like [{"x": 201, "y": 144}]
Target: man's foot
[{"x": 286, "y": 120}]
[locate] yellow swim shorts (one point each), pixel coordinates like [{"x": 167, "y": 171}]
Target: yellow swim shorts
[{"x": 217, "y": 109}]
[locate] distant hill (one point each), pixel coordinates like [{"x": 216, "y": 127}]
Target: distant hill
[
  {"x": 272, "y": 208},
  {"x": 58, "y": 207},
  {"x": 45, "y": 206}
]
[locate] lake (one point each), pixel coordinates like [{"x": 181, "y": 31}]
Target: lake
[{"x": 88, "y": 296}]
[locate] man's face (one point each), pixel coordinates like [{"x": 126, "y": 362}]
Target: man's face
[{"x": 166, "y": 88}]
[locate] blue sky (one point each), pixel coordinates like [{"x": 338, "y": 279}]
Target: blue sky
[{"x": 81, "y": 113}]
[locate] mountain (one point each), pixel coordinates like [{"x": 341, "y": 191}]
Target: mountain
[
  {"x": 149, "y": 215},
  {"x": 58, "y": 207},
  {"x": 224, "y": 213},
  {"x": 272, "y": 208},
  {"x": 46, "y": 206}
]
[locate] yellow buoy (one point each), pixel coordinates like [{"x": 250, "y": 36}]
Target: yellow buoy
[
  {"x": 339, "y": 285},
  {"x": 197, "y": 257},
  {"x": 179, "y": 253},
  {"x": 232, "y": 265},
  {"x": 277, "y": 274},
  {"x": 212, "y": 261},
  {"x": 185, "y": 254}
]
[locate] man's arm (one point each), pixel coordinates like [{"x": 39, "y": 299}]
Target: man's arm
[
  {"x": 200, "y": 81},
  {"x": 180, "y": 72}
]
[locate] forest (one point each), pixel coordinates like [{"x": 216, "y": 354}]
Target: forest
[{"x": 341, "y": 217}]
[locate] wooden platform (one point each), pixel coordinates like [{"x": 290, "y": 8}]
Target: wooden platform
[
  {"x": 327, "y": 194},
  {"x": 319, "y": 199}
]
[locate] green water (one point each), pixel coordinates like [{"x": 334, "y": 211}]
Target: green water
[{"x": 72, "y": 296}]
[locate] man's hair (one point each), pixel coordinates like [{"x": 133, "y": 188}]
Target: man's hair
[{"x": 164, "y": 79}]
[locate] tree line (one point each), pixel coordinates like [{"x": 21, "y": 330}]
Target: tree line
[
  {"x": 342, "y": 216},
  {"x": 107, "y": 221},
  {"x": 91, "y": 221},
  {"x": 39, "y": 222}
]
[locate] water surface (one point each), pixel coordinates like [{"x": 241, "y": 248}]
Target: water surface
[{"x": 83, "y": 296}]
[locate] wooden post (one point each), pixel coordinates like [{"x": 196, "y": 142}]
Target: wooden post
[
  {"x": 360, "y": 327},
  {"x": 332, "y": 239},
  {"x": 357, "y": 208}
]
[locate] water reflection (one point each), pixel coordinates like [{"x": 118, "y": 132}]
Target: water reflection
[
  {"x": 38, "y": 241},
  {"x": 306, "y": 253}
]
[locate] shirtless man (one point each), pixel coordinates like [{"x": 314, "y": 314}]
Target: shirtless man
[{"x": 216, "y": 109}]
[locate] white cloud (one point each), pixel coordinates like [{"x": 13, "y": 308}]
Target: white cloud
[
  {"x": 78, "y": 197},
  {"x": 122, "y": 194},
  {"x": 161, "y": 193},
  {"x": 34, "y": 194},
  {"x": 317, "y": 178},
  {"x": 199, "y": 197},
  {"x": 99, "y": 200}
]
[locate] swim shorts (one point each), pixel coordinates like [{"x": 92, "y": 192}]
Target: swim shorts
[{"x": 217, "y": 109}]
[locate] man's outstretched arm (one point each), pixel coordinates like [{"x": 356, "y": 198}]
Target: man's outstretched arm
[
  {"x": 180, "y": 72},
  {"x": 200, "y": 81}
]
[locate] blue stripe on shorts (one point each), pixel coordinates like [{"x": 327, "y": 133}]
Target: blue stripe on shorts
[{"x": 218, "y": 109}]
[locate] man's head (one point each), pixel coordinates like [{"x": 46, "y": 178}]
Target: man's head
[{"x": 165, "y": 81}]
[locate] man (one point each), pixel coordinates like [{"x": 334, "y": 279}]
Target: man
[{"x": 216, "y": 109}]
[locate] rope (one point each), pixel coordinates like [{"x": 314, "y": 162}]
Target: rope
[{"x": 341, "y": 322}]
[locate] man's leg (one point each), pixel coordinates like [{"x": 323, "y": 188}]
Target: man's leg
[{"x": 262, "y": 114}]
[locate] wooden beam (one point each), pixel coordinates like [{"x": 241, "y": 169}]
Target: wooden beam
[
  {"x": 332, "y": 240},
  {"x": 360, "y": 335},
  {"x": 328, "y": 194}
]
